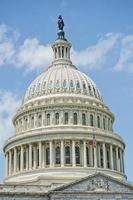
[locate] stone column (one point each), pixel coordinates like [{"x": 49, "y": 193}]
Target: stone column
[
  {"x": 30, "y": 156},
  {"x": 40, "y": 155},
  {"x": 84, "y": 154},
  {"x": 111, "y": 157},
  {"x": 121, "y": 160},
  {"x": 27, "y": 158},
  {"x": 15, "y": 160},
  {"x": 70, "y": 122},
  {"x": 104, "y": 156},
  {"x": 22, "y": 158},
  {"x": 95, "y": 156},
  {"x": 73, "y": 154},
  {"x": 62, "y": 153},
  {"x": 117, "y": 160},
  {"x": 43, "y": 156},
  {"x": 6, "y": 165},
  {"x": 35, "y": 120},
  {"x": 35, "y": 157},
  {"x": 91, "y": 155},
  {"x": 51, "y": 153}
]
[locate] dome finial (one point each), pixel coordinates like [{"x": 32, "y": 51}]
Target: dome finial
[{"x": 61, "y": 33}]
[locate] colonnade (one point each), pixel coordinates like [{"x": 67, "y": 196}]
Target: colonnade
[
  {"x": 50, "y": 118},
  {"x": 63, "y": 153}
]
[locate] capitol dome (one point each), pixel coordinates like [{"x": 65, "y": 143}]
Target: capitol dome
[
  {"x": 63, "y": 129},
  {"x": 62, "y": 79}
]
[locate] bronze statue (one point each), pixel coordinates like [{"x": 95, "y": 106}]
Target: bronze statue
[{"x": 60, "y": 23}]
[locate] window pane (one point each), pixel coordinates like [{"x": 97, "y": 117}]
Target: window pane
[
  {"x": 47, "y": 156},
  {"x": 58, "y": 155},
  {"x": 75, "y": 118},
  {"x": 67, "y": 155},
  {"x": 77, "y": 154}
]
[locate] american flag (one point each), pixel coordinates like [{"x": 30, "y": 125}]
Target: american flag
[{"x": 94, "y": 142}]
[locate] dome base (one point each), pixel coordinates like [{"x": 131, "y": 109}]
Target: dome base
[{"x": 58, "y": 176}]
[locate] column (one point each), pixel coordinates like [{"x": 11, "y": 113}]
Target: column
[
  {"x": 43, "y": 156},
  {"x": 111, "y": 157},
  {"x": 43, "y": 118},
  {"x": 27, "y": 158},
  {"x": 35, "y": 120},
  {"x": 51, "y": 153},
  {"x": 62, "y": 153},
  {"x": 15, "y": 160},
  {"x": 40, "y": 155},
  {"x": 121, "y": 160},
  {"x": 6, "y": 165},
  {"x": 30, "y": 156},
  {"x": 70, "y": 118},
  {"x": 117, "y": 160},
  {"x": 22, "y": 159},
  {"x": 91, "y": 155},
  {"x": 104, "y": 155},
  {"x": 61, "y": 118},
  {"x": 95, "y": 157},
  {"x": 84, "y": 153},
  {"x": 73, "y": 154},
  {"x": 35, "y": 157}
]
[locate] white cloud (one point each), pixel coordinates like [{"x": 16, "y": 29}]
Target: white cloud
[
  {"x": 32, "y": 54},
  {"x": 94, "y": 56},
  {"x": 8, "y": 106},
  {"x": 125, "y": 61},
  {"x": 113, "y": 50}
]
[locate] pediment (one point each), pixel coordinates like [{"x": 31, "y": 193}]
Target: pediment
[{"x": 97, "y": 183}]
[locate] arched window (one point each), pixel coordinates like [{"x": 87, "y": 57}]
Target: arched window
[
  {"x": 87, "y": 155},
  {"x": 57, "y": 155},
  {"x": 57, "y": 84},
  {"x": 66, "y": 117},
  {"x": 83, "y": 119},
  {"x": 12, "y": 161},
  {"x": 71, "y": 83},
  {"x": 64, "y": 84},
  {"x": 78, "y": 85},
  {"x": 47, "y": 156},
  {"x": 67, "y": 155},
  {"x": 56, "y": 118},
  {"x": 77, "y": 154},
  {"x": 84, "y": 86},
  {"x": 39, "y": 120},
  {"x": 104, "y": 123},
  {"x": 75, "y": 120},
  {"x": 91, "y": 120},
  {"x": 98, "y": 121},
  {"x": 48, "y": 119}
]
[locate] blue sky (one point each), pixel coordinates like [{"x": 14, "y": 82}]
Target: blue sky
[{"x": 101, "y": 33}]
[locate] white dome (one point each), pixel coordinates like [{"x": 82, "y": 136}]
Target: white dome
[{"x": 62, "y": 79}]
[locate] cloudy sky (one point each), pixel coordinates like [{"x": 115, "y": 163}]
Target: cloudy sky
[{"x": 101, "y": 33}]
